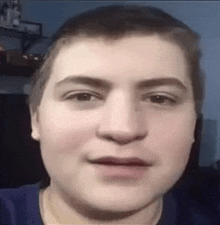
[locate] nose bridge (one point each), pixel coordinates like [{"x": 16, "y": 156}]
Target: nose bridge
[{"x": 121, "y": 120}]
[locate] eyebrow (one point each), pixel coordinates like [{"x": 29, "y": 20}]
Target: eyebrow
[
  {"x": 101, "y": 83},
  {"x": 168, "y": 81},
  {"x": 81, "y": 79}
]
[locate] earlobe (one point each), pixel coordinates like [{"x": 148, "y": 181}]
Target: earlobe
[{"x": 35, "y": 126}]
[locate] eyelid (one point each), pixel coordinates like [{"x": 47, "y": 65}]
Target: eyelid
[
  {"x": 164, "y": 94},
  {"x": 75, "y": 93}
]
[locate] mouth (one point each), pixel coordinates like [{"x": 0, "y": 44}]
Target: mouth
[
  {"x": 120, "y": 168},
  {"x": 114, "y": 161}
]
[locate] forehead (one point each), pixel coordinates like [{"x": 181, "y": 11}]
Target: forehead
[{"x": 128, "y": 59}]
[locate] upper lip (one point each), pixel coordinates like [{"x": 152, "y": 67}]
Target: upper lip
[{"x": 133, "y": 161}]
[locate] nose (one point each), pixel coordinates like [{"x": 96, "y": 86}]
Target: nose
[{"x": 122, "y": 120}]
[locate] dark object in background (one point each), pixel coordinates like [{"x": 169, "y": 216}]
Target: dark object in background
[
  {"x": 20, "y": 157},
  {"x": 3, "y": 59},
  {"x": 16, "y": 63}
]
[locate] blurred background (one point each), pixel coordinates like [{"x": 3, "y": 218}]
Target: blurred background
[{"x": 25, "y": 31}]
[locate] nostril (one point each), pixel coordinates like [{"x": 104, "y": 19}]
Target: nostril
[
  {"x": 109, "y": 138},
  {"x": 120, "y": 137},
  {"x": 122, "y": 140},
  {"x": 140, "y": 137}
]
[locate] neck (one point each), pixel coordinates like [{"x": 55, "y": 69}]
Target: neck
[{"x": 55, "y": 210}]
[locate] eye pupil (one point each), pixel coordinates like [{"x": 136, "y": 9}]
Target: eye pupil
[
  {"x": 83, "y": 97},
  {"x": 158, "y": 99}
]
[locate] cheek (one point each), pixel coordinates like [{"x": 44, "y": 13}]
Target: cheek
[
  {"x": 171, "y": 143},
  {"x": 66, "y": 132},
  {"x": 175, "y": 127},
  {"x": 63, "y": 139},
  {"x": 174, "y": 138}
]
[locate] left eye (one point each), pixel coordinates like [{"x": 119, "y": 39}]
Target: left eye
[
  {"x": 160, "y": 99},
  {"x": 83, "y": 97}
]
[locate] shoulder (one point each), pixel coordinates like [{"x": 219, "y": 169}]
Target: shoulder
[
  {"x": 198, "y": 199},
  {"x": 16, "y": 193},
  {"x": 19, "y": 205}
]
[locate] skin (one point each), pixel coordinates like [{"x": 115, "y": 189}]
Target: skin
[{"x": 125, "y": 117}]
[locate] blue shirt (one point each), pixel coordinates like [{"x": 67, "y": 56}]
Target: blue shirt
[
  {"x": 20, "y": 205},
  {"x": 181, "y": 206}
]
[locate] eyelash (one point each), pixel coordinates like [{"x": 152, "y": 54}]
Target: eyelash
[
  {"x": 77, "y": 94},
  {"x": 166, "y": 100}
]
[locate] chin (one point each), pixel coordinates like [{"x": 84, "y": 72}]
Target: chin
[
  {"x": 105, "y": 211},
  {"x": 119, "y": 202}
]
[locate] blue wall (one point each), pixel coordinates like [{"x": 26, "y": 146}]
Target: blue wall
[{"x": 201, "y": 16}]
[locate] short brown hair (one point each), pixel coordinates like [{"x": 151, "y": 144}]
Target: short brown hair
[{"x": 117, "y": 21}]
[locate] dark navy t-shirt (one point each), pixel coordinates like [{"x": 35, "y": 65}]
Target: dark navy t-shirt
[{"x": 21, "y": 206}]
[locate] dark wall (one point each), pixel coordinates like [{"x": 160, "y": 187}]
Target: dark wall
[{"x": 21, "y": 161}]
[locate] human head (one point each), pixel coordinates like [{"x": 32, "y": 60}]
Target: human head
[
  {"x": 69, "y": 134},
  {"x": 114, "y": 22}
]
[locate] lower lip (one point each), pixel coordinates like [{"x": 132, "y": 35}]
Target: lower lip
[{"x": 125, "y": 172}]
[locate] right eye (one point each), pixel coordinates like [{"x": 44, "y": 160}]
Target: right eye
[
  {"x": 82, "y": 97},
  {"x": 84, "y": 100}
]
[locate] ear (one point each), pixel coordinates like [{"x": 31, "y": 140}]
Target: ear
[{"x": 35, "y": 125}]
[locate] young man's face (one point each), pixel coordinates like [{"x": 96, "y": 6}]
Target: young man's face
[{"x": 130, "y": 98}]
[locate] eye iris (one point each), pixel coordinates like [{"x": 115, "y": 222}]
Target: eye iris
[
  {"x": 158, "y": 99},
  {"x": 83, "y": 97}
]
